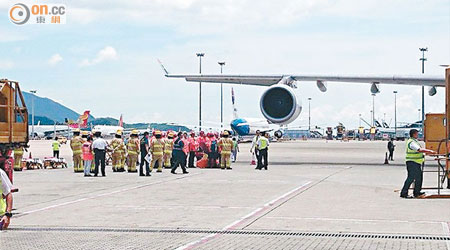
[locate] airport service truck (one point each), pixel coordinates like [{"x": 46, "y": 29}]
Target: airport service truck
[{"x": 13, "y": 122}]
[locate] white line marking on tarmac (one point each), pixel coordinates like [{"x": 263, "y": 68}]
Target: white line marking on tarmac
[
  {"x": 352, "y": 220},
  {"x": 238, "y": 222},
  {"x": 101, "y": 195},
  {"x": 446, "y": 229}
]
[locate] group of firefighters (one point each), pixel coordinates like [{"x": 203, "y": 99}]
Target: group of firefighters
[{"x": 156, "y": 150}]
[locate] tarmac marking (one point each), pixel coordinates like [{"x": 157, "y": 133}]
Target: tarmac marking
[
  {"x": 260, "y": 212},
  {"x": 353, "y": 220},
  {"x": 101, "y": 195},
  {"x": 249, "y": 216},
  {"x": 446, "y": 228}
]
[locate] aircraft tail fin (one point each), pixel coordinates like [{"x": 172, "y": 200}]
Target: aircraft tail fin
[
  {"x": 84, "y": 119},
  {"x": 121, "y": 121},
  {"x": 235, "y": 114}
]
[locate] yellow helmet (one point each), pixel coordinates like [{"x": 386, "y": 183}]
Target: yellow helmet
[
  {"x": 171, "y": 134},
  {"x": 225, "y": 132},
  {"x": 157, "y": 132},
  {"x": 119, "y": 132},
  {"x": 77, "y": 130},
  {"x": 135, "y": 132},
  {"x": 84, "y": 132}
]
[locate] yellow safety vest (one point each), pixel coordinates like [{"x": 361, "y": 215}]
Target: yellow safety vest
[
  {"x": 117, "y": 146},
  {"x": 157, "y": 147},
  {"x": 132, "y": 147},
  {"x": 2, "y": 201},
  {"x": 225, "y": 144},
  {"x": 18, "y": 151},
  {"x": 412, "y": 155},
  {"x": 76, "y": 144},
  {"x": 263, "y": 143}
]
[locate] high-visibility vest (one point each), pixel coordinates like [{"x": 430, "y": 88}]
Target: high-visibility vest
[
  {"x": 168, "y": 146},
  {"x": 157, "y": 147},
  {"x": 18, "y": 151},
  {"x": 2, "y": 201},
  {"x": 55, "y": 145},
  {"x": 225, "y": 145},
  {"x": 264, "y": 143},
  {"x": 412, "y": 155},
  {"x": 76, "y": 143},
  {"x": 132, "y": 147}
]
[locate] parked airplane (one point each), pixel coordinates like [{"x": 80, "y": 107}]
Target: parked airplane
[
  {"x": 109, "y": 130},
  {"x": 42, "y": 131},
  {"x": 248, "y": 126},
  {"x": 280, "y": 105}
]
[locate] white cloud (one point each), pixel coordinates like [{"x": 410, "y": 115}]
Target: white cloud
[
  {"x": 55, "y": 59},
  {"x": 106, "y": 54},
  {"x": 5, "y": 65}
]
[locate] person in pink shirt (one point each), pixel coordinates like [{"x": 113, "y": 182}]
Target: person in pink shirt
[
  {"x": 193, "y": 147},
  {"x": 86, "y": 149}
]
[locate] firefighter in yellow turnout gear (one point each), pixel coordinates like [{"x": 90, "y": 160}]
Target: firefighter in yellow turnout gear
[
  {"x": 225, "y": 144},
  {"x": 133, "y": 151},
  {"x": 118, "y": 149},
  {"x": 75, "y": 144},
  {"x": 157, "y": 151},
  {"x": 168, "y": 147},
  {"x": 18, "y": 153}
]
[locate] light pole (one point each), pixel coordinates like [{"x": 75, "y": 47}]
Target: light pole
[
  {"x": 423, "y": 59},
  {"x": 373, "y": 110},
  {"x": 395, "y": 113},
  {"x": 419, "y": 113},
  {"x": 309, "y": 115},
  {"x": 221, "y": 95},
  {"x": 200, "y": 55},
  {"x": 359, "y": 120},
  {"x": 32, "y": 112}
]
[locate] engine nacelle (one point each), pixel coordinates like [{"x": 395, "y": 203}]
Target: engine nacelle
[
  {"x": 280, "y": 105},
  {"x": 432, "y": 91},
  {"x": 375, "y": 88},
  {"x": 278, "y": 134}
]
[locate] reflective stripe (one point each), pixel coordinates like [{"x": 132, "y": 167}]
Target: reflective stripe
[
  {"x": 412, "y": 155},
  {"x": 2, "y": 201}
]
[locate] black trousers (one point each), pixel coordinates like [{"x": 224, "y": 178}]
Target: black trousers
[
  {"x": 99, "y": 159},
  {"x": 179, "y": 158},
  {"x": 391, "y": 155},
  {"x": 141, "y": 165},
  {"x": 191, "y": 159},
  {"x": 415, "y": 175},
  {"x": 56, "y": 153},
  {"x": 262, "y": 155}
]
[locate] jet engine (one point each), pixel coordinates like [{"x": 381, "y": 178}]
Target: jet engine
[
  {"x": 279, "y": 105},
  {"x": 278, "y": 134}
]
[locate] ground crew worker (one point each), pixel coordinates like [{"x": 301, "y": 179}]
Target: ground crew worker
[
  {"x": 234, "y": 150},
  {"x": 225, "y": 145},
  {"x": 391, "y": 148},
  {"x": 133, "y": 151},
  {"x": 84, "y": 135},
  {"x": 88, "y": 156},
  {"x": 263, "y": 146},
  {"x": 18, "y": 153},
  {"x": 178, "y": 154},
  {"x": 117, "y": 147},
  {"x": 254, "y": 148},
  {"x": 193, "y": 147},
  {"x": 157, "y": 151},
  {"x": 144, "y": 144},
  {"x": 6, "y": 199},
  {"x": 168, "y": 147},
  {"x": 415, "y": 157},
  {"x": 55, "y": 146},
  {"x": 75, "y": 144}
]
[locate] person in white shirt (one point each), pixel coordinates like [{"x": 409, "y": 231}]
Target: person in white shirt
[
  {"x": 6, "y": 200},
  {"x": 99, "y": 145}
]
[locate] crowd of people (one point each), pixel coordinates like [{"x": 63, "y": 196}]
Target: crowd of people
[{"x": 153, "y": 150}]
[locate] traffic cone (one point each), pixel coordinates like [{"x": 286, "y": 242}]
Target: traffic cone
[
  {"x": 253, "y": 160},
  {"x": 29, "y": 157},
  {"x": 386, "y": 161}
]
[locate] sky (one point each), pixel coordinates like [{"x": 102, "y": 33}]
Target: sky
[{"x": 104, "y": 59}]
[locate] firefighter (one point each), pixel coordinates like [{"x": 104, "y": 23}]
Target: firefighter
[
  {"x": 168, "y": 147},
  {"x": 75, "y": 144},
  {"x": 225, "y": 144},
  {"x": 18, "y": 153},
  {"x": 157, "y": 151},
  {"x": 117, "y": 151},
  {"x": 133, "y": 151}
]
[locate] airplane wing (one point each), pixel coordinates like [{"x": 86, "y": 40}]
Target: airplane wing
[{"x": 268, "y": 80}]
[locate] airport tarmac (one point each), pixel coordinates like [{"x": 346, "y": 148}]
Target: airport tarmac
[{"x": 315, "y": 195}]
